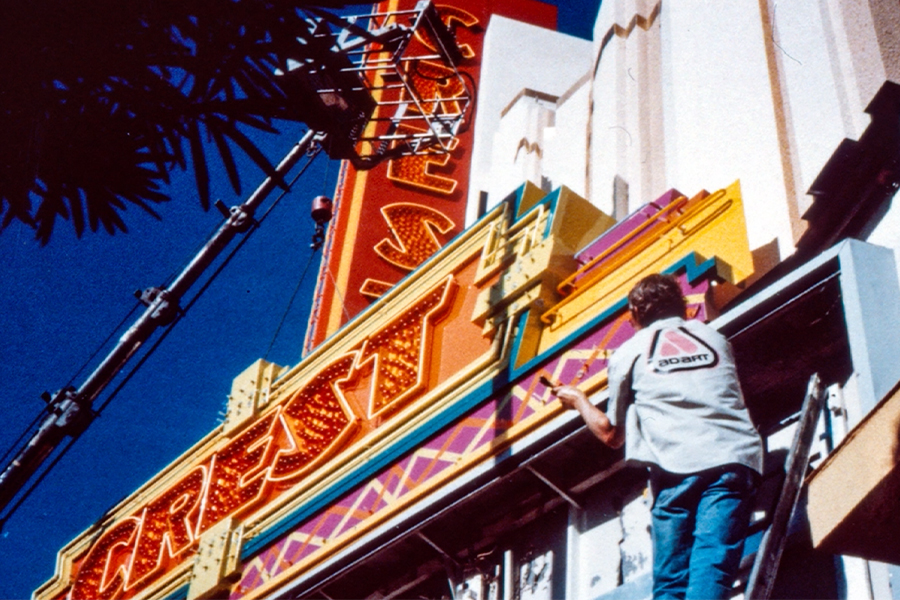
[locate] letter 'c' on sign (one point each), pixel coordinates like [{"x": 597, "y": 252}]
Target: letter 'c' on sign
[
  {"x": 452, "y": 17},
  {"x": 103, "y": 573}
]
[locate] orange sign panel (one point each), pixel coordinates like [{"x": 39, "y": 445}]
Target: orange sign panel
[{"x": 347, "y": 397}]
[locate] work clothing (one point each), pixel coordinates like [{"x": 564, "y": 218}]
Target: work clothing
[
  {"x": 699, "y": 524},
  {"x": 674, "y": 387}
]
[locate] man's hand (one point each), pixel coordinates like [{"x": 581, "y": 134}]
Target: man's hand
[
  {"x": 596, "y": 420},
  {"x": 569, "y": 396}
]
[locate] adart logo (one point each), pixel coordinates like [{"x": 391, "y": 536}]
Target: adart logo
[
  {"x": 680, "y": 350},
  {"x": 355, "y": 392}
]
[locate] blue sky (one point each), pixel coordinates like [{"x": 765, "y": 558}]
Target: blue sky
[{"x": 59, "y": 303}]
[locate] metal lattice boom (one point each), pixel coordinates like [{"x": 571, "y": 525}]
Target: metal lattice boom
[{"x": 383, "y": 84}]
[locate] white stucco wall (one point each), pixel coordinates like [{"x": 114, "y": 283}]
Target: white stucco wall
[
  {"x": 519, "y": 145},
  {"x": 673, "y": 95},
  {"x": 517, "y": 56},
  {"x": 818, "y": 110},
  {"x": 566, "y": 143},
  {"x": 720, "y": 121}
]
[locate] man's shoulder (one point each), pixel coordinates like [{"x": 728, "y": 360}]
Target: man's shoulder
[
  {"x": 643, "y": 339},
  {"x": 632, "y": 347},
  {"x": 704, "y": 329}
]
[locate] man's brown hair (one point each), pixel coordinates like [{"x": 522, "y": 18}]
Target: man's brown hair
[{"x": 656, "y": 297}]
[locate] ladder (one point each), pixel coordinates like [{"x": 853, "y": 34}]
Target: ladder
[{"x": 768, "y": 555}]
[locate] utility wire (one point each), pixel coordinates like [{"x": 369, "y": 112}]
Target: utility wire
[
  {"x": 290, "y": 304},
  {"x": 137, "y": 365},
  {"x": 59, "y": 456},
  {"x": 24, "y": 496},
  {"x": 134, "y": 369},
  {"x": 104, "y": 343},
  {"x": 310, "y": 158},
  {"x": 337, "y": 291},
  {"x": 302, "y": 275},
  {"x": 29, "y": 429},
  {"x": 15, "y": 446}
]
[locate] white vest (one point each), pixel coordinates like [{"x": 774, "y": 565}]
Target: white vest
[{"x": 675, "y": 387}]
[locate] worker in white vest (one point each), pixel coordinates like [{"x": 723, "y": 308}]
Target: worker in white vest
[{"x": 676, "y": 404}]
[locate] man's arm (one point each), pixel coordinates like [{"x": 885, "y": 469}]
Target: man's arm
[{"x": 596, "y": 420}]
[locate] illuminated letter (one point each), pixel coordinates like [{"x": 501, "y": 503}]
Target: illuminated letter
[
  {"x": 400, "y": 350},
  {"x": 102, "y": 574},
  {"x": 416, "y": 170},
  {"x": 167, "y": 526},
  {"x": 452, "y": 18},
  {"x": 413, "y": 228},
  {"x": 238, "y": 472},
  {"x": 438, "y": 88},
  {"x": 317, "y": 420}
]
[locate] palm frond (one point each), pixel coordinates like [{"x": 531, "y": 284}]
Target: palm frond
[{"x": 101, "y": 101}]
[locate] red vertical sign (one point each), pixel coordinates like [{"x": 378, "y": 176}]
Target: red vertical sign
[{"x": 390, "y": 219}]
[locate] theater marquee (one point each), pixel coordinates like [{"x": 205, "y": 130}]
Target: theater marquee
[{"x": 440, "y": 375}]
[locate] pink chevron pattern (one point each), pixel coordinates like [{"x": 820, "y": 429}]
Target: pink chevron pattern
[{"x": 442, "y": 456}]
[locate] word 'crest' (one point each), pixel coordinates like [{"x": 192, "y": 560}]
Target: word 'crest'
[{"x": 274, "y": 453}]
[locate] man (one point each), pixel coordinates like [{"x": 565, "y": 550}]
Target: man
[{"x": 676, "y": 403}]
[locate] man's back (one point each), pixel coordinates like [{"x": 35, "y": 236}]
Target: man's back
[
  {"x": 676, "y": 386},
  {"x": 675, "y": 389}
]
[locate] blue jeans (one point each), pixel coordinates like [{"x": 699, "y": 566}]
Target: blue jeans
[{"x": 699, "y": 524}]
